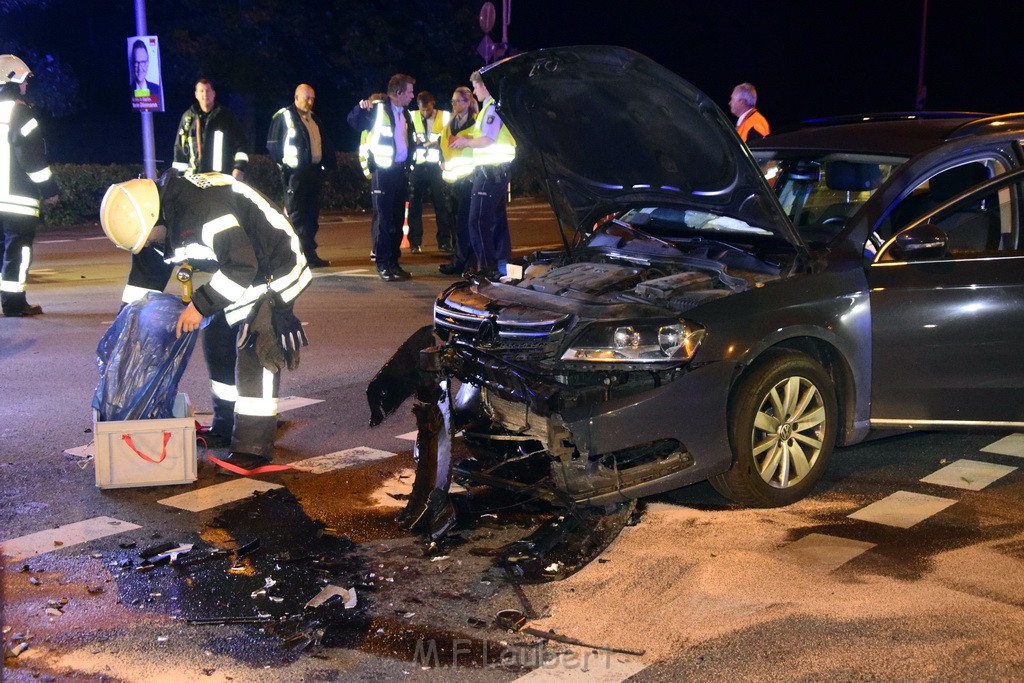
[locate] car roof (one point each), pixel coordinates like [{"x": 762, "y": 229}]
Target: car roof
[{"x": 902, "y": 134}]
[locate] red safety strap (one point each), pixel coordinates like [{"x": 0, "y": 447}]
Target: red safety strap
[
  {"x": 241, "y": 470},
  {"x": 163, "y": 452}
]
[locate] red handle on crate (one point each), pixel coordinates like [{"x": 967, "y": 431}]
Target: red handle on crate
[{"x": 163, "y": 452}]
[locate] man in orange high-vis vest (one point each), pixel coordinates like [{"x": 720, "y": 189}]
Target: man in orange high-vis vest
[{"x": 750, "y": 124}]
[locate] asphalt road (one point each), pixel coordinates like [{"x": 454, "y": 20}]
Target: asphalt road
[{"x": 877, "y": 575}]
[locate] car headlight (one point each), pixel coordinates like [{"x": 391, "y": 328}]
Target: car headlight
[{"x": 639, "y": 343}]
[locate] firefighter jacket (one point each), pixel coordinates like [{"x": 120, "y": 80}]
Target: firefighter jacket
[
  {"x": 209, "y": 141},
  {"x": 288, "y": 142},
  {"x": 488, "y": 124},
  {"x": 422, "y": 137},
  {"x": 25, "y": 175},
  {"x": 379, "y": 145},
  {"x": 753, "y": 126},
  {"x": 213, "y": 217}
]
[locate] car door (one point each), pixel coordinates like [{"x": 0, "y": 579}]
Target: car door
[{"x": 948, "y": 328}]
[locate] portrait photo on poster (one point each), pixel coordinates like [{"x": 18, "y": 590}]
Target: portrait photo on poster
[{"x": 144, "y": 73}]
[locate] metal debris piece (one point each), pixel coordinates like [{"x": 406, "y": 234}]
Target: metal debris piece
[
  {"x": 34, "y": 581},
  {"x": 18, "y": 649},
  {"x": 221, "y": 621},
  {"x": 478, "y": 623},
  {"x": 439, "y": 558},
  {"x": 54, "y": 612},
  {"x": 330, "y": 591},
  {"x": 510, "y": 619},
  {"x": 547, "y": 635}
]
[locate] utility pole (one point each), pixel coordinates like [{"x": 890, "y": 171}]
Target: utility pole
[
  {"x": 922, "y": 89},
  {"x": 148, "y": 145}
]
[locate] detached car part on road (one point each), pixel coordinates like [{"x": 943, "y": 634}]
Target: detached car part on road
[{"x": 707, "y": 323}]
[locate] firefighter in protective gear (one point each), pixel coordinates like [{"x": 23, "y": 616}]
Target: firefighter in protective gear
[
  {"x": 299, "y": 145},
  {"x": 209, "y": 137},
  {"x": 25, "y": 178},
  {"x": 224, "y": 226},
  {"x": 428, "y": 126},
  {"x": 493, "y": 153},
  {"x": 390, "y": 149}
]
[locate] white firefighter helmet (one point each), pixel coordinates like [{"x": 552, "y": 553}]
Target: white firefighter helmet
[
  {"x": 13, "y": 70},
  {"x": 129, "y": 213}
]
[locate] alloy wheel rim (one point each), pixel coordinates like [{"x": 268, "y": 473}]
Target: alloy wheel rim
[{"x": 789, "y": 431}]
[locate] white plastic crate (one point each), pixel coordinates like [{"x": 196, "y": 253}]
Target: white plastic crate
[{"x": 171, "y": 442}]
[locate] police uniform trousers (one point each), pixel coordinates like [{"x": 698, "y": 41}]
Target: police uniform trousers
[
  {"x": 389, "y": 190},
  {"x": 461, "y": 193},
  {"x": 16, "y": 235},
  {"x": 302, "y": 205},
  {"x": 488, "y": 220},
  {"x": 425, "y": 179}
]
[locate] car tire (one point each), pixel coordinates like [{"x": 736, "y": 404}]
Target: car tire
[{"x": 777, "y": 462}]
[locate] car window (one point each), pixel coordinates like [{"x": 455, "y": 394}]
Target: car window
[
  {"x": 938, "y": 188},
  {"x": 981, "y": 225},
  {"x": 819, "y": 193}
]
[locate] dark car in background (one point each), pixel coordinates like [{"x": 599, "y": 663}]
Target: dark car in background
[{"x": 732, "y": 314}]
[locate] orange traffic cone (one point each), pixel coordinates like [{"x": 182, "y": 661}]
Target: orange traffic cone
[{"x": 405, "y": 230}]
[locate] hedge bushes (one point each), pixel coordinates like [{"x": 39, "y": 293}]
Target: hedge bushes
[{"x": 82, "y": 186}]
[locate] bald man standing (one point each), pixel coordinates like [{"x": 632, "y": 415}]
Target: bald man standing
[{"x": 300, "y": 147}]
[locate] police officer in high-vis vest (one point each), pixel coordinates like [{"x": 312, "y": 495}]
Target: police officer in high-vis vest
[
  {"x": 259, "y": 271},
  {"x": 493, "y": 152},
  {"x": 428, "y": 125},
  {"x": 390, "y": 149},
  {"x": 25, "y": 177}
]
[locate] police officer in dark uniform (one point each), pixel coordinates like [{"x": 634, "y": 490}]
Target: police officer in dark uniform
[
  {"x": 28, "y": 177},
  {"x": 301, "y": 148}
]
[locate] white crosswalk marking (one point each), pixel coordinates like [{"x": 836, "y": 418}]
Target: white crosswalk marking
[
  {"x": 1010, "y": 445},
  {"x": 218, "y": 494},
  {"x": 822, "y": 552},
  {"x": 292, "y": 402},
  {"x": 63, "y": 537},
  {"x": 902, "y": 509},
  {"x": 340, "y": 460},
  {"x": 968, "y": 474}
]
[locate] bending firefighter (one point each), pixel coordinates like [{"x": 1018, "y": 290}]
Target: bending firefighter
[{"x": 210, "y": 220}]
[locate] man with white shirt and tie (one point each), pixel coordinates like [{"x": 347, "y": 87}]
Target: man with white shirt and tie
[{"x": 390, "y": 152}]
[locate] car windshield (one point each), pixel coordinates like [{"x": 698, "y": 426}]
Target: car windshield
[{"x": 820, "y": 191}]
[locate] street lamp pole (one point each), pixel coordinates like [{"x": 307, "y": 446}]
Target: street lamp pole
[
  {"x": 148, "y": 145},
  {"x": 922, "y": 90}
]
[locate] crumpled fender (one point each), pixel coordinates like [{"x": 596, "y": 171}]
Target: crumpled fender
[{"x": 396, "y": 381}]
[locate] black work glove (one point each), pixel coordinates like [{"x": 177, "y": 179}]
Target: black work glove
[
  {"x": 290, "y": 335},
  {"x": 257, "y": 332}
]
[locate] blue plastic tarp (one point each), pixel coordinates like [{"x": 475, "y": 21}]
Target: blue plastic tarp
[{"x": 140, "y": 361}]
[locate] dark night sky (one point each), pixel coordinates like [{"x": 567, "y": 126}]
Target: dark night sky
[{"x": 808, "y": 58}]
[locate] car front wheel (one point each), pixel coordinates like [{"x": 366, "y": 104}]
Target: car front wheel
[{"x": 782, "y": 426}]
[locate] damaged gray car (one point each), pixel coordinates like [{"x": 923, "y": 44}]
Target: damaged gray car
[{"x": 686, "y": 332}]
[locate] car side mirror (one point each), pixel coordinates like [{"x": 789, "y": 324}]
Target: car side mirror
[{"x": 920, "y": 243}]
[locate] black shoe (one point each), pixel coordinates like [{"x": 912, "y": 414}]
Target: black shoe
[
  {"x": 315, "y": 261},
  {"x": 247, "y": 461},
  {"x": 449, "y": 269},
  {"x": 22, "y": 311},
  {"x": 373, "y": 256},
  {"x": 415, "y": 249},
  {"x": 388, "y": 276},
  {"x": 446, "y": 248},
  {"x": 402, "y": 273},
  {"x": 213, "y": 440}
]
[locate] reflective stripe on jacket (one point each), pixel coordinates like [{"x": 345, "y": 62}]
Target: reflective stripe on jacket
[
  {"x": 503, "y": 150},
  {"x": 25, "y": 174},
  {"x": 424, "y": 154},
  {"x": 213, "y": 141}
]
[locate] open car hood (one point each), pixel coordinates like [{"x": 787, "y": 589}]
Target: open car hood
[{"x": 611, "y": 129}]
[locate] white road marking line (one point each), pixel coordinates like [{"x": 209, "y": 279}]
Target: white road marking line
[
  {"x": 1009, "y": 445},
  {"x": 560, "y": 663},
  {"x": 339, "y": 460},
  {"x": 293, "y": 402},
  {"x": 82, "y": 451},
  {"x": 359, "y": 272},
  {"x": 86, "y": 239},
  {"x": 52, "y": 241},
  {"x": 408, "y": 436},
  {"x": 68, "y": 535},
  {"x": 218, "y": 494},
  {"x": 902, "y": 509},
  {"x": 968, "y": 474},
  {"x": 822, "y": 552}
]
